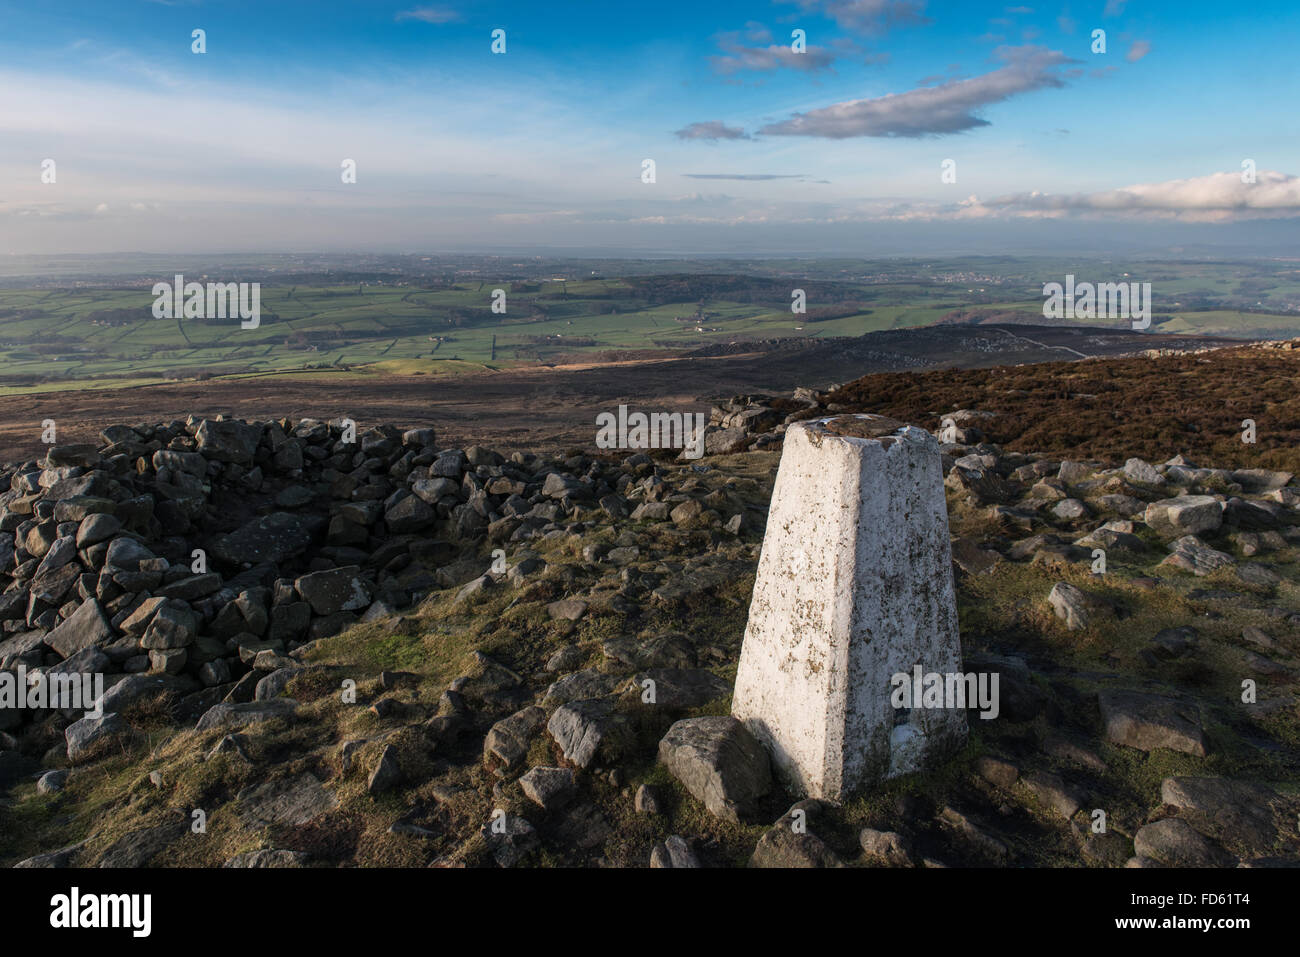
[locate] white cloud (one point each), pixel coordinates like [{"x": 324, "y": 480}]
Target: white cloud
[
  {"x": 1218, "y": 197},
  {"x": 931, "y": 111},
  {"x": 1137, "y": 51},
  {"x": 711, "y": 130},
  {"x": 739, "y": 57},
  {"x": 867, "y": 16},
  {"x": 430, "y": 15}
]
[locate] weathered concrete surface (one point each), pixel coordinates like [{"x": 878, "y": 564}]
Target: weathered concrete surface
[{"x": 854, "y": 585}]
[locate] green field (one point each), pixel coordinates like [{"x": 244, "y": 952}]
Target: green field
[{"x": 84, "y": 335}]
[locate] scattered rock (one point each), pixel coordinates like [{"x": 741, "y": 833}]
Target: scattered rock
[
  {"x": 1147, "y": 722},
  {"x": 719, "y": 762}
]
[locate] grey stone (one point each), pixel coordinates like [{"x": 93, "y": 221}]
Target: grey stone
[
  {"x": 228, "y": 440},
  {"x": 139, "y": 847},
  {"x": 387, "y": 773},
  {"x": 1147, "y": 722},
  {"x": 508, "y": 739},
  {"x": 1237, "y": 812},
  {"x": 889, "y": 847},
  {"x": 228, "y": 715},
  {"x": 335, "y": 590},
  {"x": 269, "y": 538},
  {"x": 673, "y": 852},
  {"x": 509, "y": 837},
  {"x": 1191, "y": 554},
  {"x": 268, "y": 858},
  {"x": 719, "y": 762},
  {"x": 1175, "y": 843},
  {"x": 588, "y": 683},
  {"x": 1184, "y": 515},
  {"x": 587, "y": 728},
  {"x": 1074, "y": 606},
  {"x": 85, "y": 735},
  {"x": 290, "y": 801},
  {"x": 550, "y": 788},
  {"x": 84, "y": 628},
  {"x": 679, "y": 689}
]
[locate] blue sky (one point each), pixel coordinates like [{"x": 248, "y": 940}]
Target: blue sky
[{"x": 757, "y": 148}]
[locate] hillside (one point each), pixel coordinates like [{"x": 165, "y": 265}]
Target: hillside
[{"x": 360, "y": 677}]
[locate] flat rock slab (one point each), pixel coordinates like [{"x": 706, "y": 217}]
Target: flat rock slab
[
  {"x": 63, "y": 857},
  {"x": 85, "y": 628},
  {"x": 1234, "y": 812},
  {"x": 1148, "y": 721},
  {"x": 660, "y": 651},
  {"x": 138, "y": 848},
  {"x": 134, "y": 687},
  {"x": 588, "y": 683},
  {"x": 287, "y": 801},
  {"x": 226, "y": 715},
  {"x": 268, "y": 858},
  {"x": 1175, "y": 843},
  {"x": 678, "y": 689},
  {"x": 270, "y": 538},
  {"x": 719, "y": 762},
  {"x": 1190, "y": 554},
  {"x": 335, "y": 590},
  {"x": 1052, "y": 790}
]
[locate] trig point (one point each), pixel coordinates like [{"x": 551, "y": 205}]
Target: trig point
[{"x": 854, "y": 586}]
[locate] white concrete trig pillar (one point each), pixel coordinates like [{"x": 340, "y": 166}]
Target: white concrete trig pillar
[{"x": 854, "y": 586}]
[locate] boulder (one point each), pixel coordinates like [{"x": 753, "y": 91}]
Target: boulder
[
  {"x": 587, "y": 728},
  {"x": 549, "y": 788},
  {"x": 335, "y": 590},
  {"x": 85, "y": 735},
  {"x": 1184, "y": 515},
  {"x": 1076, "y": 607},
  {"x": 268, "y": 538},
  {"x": 228, "y": 440},
  {"x": 719, "y": 762},
  {"x": 85, "y": 628},
  {"x": 509, "y": 738}
]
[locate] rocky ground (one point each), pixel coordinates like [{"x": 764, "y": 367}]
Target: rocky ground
[{"x": 391, "y": 652}]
